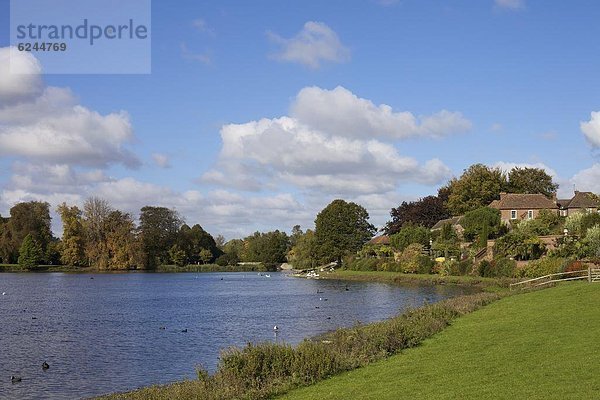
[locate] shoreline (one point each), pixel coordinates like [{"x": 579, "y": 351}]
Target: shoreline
[{"x": 423, "y": 322}]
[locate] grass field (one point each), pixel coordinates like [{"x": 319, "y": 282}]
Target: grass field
[
  {"x": 538, "y": 345},
  {"x": 488, "y": 284}
]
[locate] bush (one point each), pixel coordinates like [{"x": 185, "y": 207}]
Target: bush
[
  {"x": 410, "y": 258},
  {"x": 541, "y": 267},
  {"x": 426, "y": 265},
  {"x": 499, "y": 268},
  {"x": 227, "y": 259}
]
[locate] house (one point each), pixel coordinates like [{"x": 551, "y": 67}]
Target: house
[
  {"x": 379, "y": 241},
  {"x": 517, "y": 206},
  {"x": 581, "y": 202},
  {"x": 454, "y": 222}
]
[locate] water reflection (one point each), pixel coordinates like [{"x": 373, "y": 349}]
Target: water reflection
[{"x": 118, "y": 332}]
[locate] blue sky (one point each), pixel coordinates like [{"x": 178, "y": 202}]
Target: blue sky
[{"x": 516, "y": 80}]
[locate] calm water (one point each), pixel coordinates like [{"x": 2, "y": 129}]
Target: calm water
[{"x": 104, "y": 334}]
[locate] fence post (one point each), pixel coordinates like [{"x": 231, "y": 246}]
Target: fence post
[{"x": 590, "y": 274}]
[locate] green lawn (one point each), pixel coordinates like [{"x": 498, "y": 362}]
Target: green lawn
[{"x": 539, "y": 345}]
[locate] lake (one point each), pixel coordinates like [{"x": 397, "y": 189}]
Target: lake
[{"x": 103, "y": 333}]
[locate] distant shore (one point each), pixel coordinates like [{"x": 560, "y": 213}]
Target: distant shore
[{"x": 14, "y": 268}]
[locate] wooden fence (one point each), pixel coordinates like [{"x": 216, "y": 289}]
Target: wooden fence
[{"x": 590, "y": 274}]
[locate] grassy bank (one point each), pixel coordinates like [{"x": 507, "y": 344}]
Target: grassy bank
[
  {"x": 538, "y": 345},
  {"x": 488, "y": 284},
  {"x": 210, "y": 268},
  {"x": 264, "y": 370}
]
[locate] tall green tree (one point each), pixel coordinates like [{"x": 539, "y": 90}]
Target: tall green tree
[
  {"x": 477, "y": 187},
  {"x": 342, "y": 228},
  {"x": 269, "y": 247},
  {"x": 72, "y": 248},
  {"x": 30, "y": 253},
  {"x": 305, "y": 252},
  {"x": 531, "y": 180},
  {"x": 158, "y": 229},
  {"x": 28, "y": 218}
]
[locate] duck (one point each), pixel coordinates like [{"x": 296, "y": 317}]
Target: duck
[
  {"x": 15, "y": 379},
  {"x": 275, "y": 328},
  {"x": 45, "y": 365},
  {"x": 184, "y": 330}
]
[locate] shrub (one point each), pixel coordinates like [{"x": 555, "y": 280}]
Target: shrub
[
  {"x": 410, "y": 258},
  {"x": 465, "y": 267},
  {"x": 408, "y": 235},
  {"x": 426, "y": 265},
  {"x": 541, "y": 267}
]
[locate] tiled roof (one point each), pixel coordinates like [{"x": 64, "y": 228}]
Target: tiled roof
[
  {"x": 451, "y": 221},
  {"x": 583, "y": 200},
  {"x": 383, "y": 239},
  {"x": 516, "y": 201}
]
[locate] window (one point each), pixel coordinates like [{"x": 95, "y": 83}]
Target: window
[
  {"x": 530, "y": 214},
  {"x": 513, "y": 214}
]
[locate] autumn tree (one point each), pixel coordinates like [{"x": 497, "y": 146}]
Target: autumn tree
[
  {"x": 122, "y": 245},
  {"x": 95, "y": 216},
  {"x": 342, "y": 228},
  {"x": 72, "y": 248}
]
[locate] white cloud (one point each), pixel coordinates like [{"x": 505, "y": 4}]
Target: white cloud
[
  {"x": 341, "y": 111},
  {"x": 332, "y": 143},
  {"x": 510, "y": 4},
  {"x": 314, "y": 44},
  {"x": 591, "y": 129},
  {"x": 48, "y": 125},
  {"x": 286, "y": 151},
  {"x": 161, "y": 160},
  {"x": 22, "y": 86},
  {"x": 587, "y": 180}
]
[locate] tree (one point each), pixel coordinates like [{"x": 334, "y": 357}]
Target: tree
[
  {"x": 158, "y": 229},
  {"x": 304, "y": 254},
  {"x": 28, "y": 218},
  {"x": 531, "y": 180},
  {"x": 408, "y": 235},
  {"x": 269, "y": 248},
  {"x": 482, "y": 223},
  {"x": 205, "y": 256},
  {"x": 477, "y": 187},
  {"x": 72, "y": 249},
  {"x": 220, "y": 242},
  {"x": 342, "y": 228},
  {"x": 122, "y": 245},
  {"x": 95, "y": 215},
  {"x": 426, "y": 212},
  {"x": 177, "y": 256},
  {"x": 195, "y": 239},
  {"x": 30, "y": 253}
]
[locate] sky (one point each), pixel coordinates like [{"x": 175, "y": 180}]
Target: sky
[{"x": 258, "y": 114}]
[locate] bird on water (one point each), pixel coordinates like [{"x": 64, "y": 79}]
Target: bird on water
[
  {"x": 45, "y": 365},
  {"x": 15, "y": 379}
]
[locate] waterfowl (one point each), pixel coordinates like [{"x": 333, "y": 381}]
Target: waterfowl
[
  {"x": 45, "y": 365},
  {"x": 275, "y": 328},
  {"x": 14, "y": 379},
  {"x": 184, "y": 330}
]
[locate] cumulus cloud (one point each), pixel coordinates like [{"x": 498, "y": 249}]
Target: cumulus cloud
[
  {"x": 333, "y": 142},
  {"x": 161, "y": 160},
  {"x": 286, "y": 150},
  {"x": 507, "y": 166},
  {"x": 314, "y": 44},
  {"x": 24, "y": 85},
  {"x": 591, "y": 129},
  {"x": 341, "y": 111},
  {"x": 510, "y": 4},
  {"x": 48, "y": 125},
  {"x": 588, "y": 179}
]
